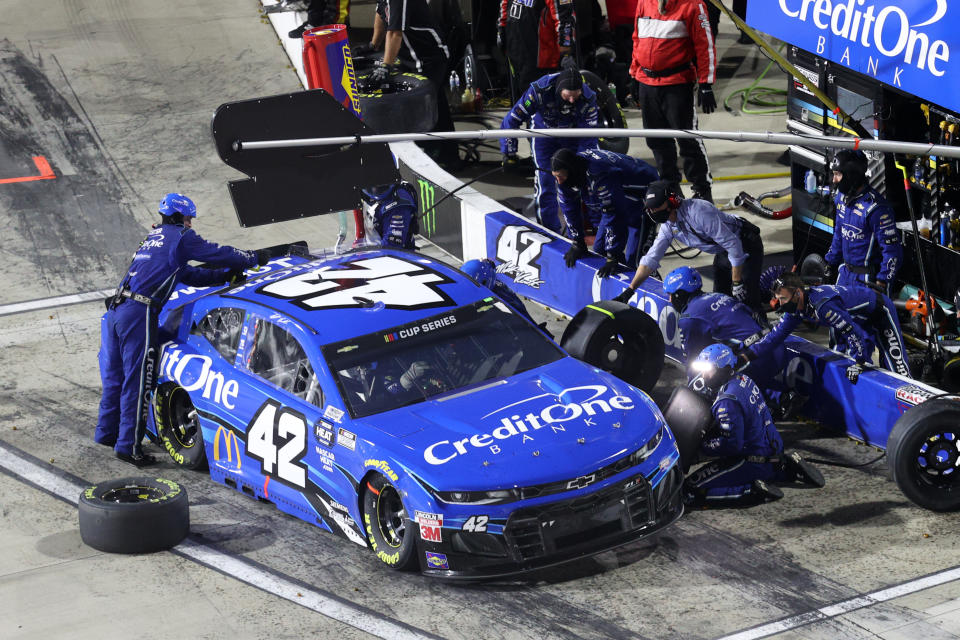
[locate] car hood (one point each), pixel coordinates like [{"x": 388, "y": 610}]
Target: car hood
[{"x": 555, "y": 422}]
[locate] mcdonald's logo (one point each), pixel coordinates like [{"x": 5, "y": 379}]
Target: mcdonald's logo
[{"x": 231, "y": 445}]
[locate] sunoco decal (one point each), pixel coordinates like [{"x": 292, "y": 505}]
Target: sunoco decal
[
  {"x": 904, "y": 44},
  {"x": 523, "y": 419}
]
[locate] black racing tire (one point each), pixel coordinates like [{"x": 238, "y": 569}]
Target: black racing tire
[
  {"x": 617, "y": 338},
  {"x": 410, "y": 108},
  {"x": 951, "y": 376},
  {"x": 389, "y": 528},
  {"x": 923, "y": 454},
  {"x": 178, "y": 426},
  {"x": 609, "y": 114},
  {"x": 813, "y": 267},
  {"x": 688, "y": 415},
  {"x": 134, "y": 515}
]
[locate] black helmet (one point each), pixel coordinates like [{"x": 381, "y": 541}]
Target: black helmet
[{"x": 853, "y": 165}]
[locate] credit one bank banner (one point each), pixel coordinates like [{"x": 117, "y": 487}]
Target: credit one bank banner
[{"x": 907, "y": 44}]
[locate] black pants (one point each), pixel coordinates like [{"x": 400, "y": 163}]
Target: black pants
[
  {"x": 435, "y": 70},
  {"x": 723, "y": 280},
  {"x": 671, "y": 107}
]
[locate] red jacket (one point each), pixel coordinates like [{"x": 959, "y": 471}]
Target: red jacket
[{"x": 665, "y": 43}]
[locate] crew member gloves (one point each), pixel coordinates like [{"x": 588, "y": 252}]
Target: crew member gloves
[
  {"x": 236, "y": 276},
  {"x": 576, "y": 251},
  {"x": 382, "y": 72},
  {"x": 625, "y": 295},
  {"x": 263, "y": 257},
  {"x": 510, "y": 161},
  {"x": 739, "y": 291},
  {"x": 705, "y": 99}
]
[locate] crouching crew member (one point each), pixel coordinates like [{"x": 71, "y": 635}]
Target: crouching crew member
[
  {"x": 743, "y": 438},
  {"x": 735, "y": 242},
  {"x": 866, "y": 245},
  {"x": 708, "y": 318},
  {"x": 128, "y": 339},
  {"x": 611, "y": 187},
  {"x": 558, "y": 100},
  {"x": 859, "y": 318}
]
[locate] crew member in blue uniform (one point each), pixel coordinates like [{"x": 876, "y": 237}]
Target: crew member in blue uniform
[
  {"x": 866, "y": 244},
  {"x": 128, "y": 338},
  {"x": 734, "y": 241},
  {"x": 859, "y": 317},
  {"x": 611, "y": 187},
  {"x": 743, "y": 439},
  {"x": 556, "y": 100},
  {"x": 484, "y": 273}
]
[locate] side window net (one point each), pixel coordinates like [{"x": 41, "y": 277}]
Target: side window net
[
  {"x": 222, "y": 327},
  {"x": 278, "y": 358}
]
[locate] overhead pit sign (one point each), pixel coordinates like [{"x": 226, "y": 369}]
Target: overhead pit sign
[{"x": 907, "y": 45}]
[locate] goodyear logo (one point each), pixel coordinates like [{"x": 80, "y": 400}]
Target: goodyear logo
[
  {"x": 384, "y": 466},
  {"x": 349, "y": 80},
  {"x": 227, "y": 442},
  {"x": 428, "y": 208}
]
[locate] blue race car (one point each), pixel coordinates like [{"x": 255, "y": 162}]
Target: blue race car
[{"x": 387, "y": 397}]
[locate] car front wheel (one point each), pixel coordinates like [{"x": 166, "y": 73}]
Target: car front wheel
[{"x": 388, "y": 524}]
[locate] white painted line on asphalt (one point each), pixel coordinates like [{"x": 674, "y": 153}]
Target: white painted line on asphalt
[
  {"x": 57, "y": 301},
  {"x": 229, "y": 565},
  {"x": 846, "y": 606}
]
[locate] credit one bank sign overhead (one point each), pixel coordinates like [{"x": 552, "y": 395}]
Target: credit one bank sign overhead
[{"x": 904, "y": 43}]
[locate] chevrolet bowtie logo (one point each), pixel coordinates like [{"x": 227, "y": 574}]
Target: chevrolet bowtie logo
[{"x": 582, "y": 481}]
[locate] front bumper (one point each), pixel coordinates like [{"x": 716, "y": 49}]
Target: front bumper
[{"x": 562, "y": 531}]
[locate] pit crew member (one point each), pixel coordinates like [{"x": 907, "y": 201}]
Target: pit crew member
[
  {"x": 743, "y": 438},
  {"x": 484, "y": 273},
  {"x": 673, "y": 48},
  {"x": 534, "y": 34},
  {"x": 866, "y": 245},
  {"x": 128, "y": 339},
  {"x": 392, "y": 213},
  {"x": 708, "y": 318},
  {"x": 859, "y": 317},
  {"x": 611, "y": 187},
  {"x": 735, "y": 242},
  {"x": 554, "y": 101}
]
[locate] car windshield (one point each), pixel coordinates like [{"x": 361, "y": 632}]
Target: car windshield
[{"x": 408, "y": 364}]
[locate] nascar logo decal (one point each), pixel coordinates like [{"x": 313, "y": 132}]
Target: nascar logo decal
[{"x": 396, "y": 283}]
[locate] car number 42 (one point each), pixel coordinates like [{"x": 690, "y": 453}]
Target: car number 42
[
  {"x": 277, "y": 437},
  {"x": 477, "y": 524}
]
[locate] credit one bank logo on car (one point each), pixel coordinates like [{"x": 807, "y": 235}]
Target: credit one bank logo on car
[
  {"x": 573, "y": 404},
  {"x": 904, "y": 44}
]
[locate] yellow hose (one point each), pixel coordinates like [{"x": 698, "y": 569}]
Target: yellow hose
[{"x": 749, "y": 176}]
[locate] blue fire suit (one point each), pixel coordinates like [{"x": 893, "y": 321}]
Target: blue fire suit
[
  {"x": 860, "y": 319},
  {"x": 744, "y": 439},
  {"x": 613, "y": 197},
  {"x": 866, "y": 242},
  {"x": 716, "y": 317},
  {"x": 128, "y": 330},
  {"x": 542, "y": 107}
]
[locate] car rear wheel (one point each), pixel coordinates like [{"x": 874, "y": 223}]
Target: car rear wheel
[
  {"x": 388, "y": 525},
  {"x": 617, "y": 338},
  {"x": 178, "y": 426},
  {"x": 924, "y": 454}
]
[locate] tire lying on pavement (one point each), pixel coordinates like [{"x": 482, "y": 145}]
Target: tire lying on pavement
[
  {"x": 617, "y": 338},
  {"x": 410, "y": 108},
  {"x": 688, "y": 415},
  {"x": 134, "y": 515},
  {"x": 923, "y": 453}
]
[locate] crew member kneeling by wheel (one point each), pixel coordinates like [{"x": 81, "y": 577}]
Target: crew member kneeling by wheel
[{"x": 743, "y": 438}]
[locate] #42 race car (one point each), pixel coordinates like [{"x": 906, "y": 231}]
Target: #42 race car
[{"x": 388, "y": 398}]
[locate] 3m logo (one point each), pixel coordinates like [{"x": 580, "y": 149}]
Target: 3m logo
[
  {"x": 582, "y": 481},
  {"x": 231, "y": 446},
  {"x": 428, "y": 207}
]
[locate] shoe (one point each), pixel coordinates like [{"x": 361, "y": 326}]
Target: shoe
[
  {"x": 790, "y": 404},
  {"x": 139, "y": 461},
  {"x": 705, "y": 194},
  {"x": 766, "y": 492},
  {"x": 802, "y": 470},
  {"x": 744, "y": 39},
  {"x": 298, "y": 32}
]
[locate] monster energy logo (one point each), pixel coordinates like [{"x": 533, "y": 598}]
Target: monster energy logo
[{"x": 428, "y": 206}]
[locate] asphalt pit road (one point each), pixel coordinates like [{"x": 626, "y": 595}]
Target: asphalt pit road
[
  {"x": 235, "y": 539},
  {"x": 65, "y": 545},
  {"x": 878, "y": 513}
]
